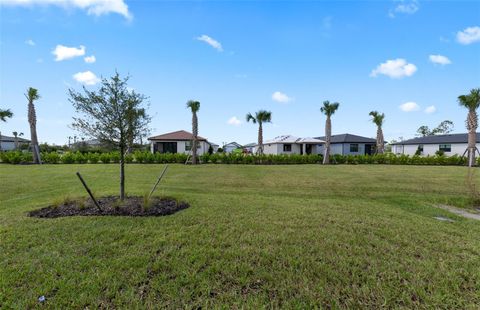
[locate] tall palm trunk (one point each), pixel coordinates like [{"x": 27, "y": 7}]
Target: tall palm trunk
[
  {"x": 260, "y": 138},
  {"x": 472, "y": 124},
  {"x": 328, "y": 135},
  {"x": 195, "y": 137},
  {"x": 32, "y": 119},
  {"x": 16, "y": 141},
  {"x": 380, "y": 141}
]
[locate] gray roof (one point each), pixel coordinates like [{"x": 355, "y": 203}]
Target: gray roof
[
  {"x": 12, "y": 139},
  {"x": 439, "y": 139},
  {"x": 348, "y": 138},
  {"x": 233, "y": 144},
  {"x": 250, "y": 144}
]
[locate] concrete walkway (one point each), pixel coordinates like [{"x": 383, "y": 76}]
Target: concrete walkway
[{"x": 460, "y": 212}]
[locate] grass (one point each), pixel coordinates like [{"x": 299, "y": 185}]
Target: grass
[{"x": 255, "y": 236}]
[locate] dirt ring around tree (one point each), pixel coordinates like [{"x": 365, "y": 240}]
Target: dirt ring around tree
[{"x": 112, "y": 206}]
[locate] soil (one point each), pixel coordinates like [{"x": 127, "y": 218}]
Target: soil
[{"x": 111, "y": 205}]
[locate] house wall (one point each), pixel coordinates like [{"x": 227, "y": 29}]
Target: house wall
[
  {"x": 7, "y": 146},
  {"x": 277, "y": 148},
  {"x": 430, "y": 149},
  {"x": 181, "y": 146},
  {"x": 229, "y": 148},
  {"x": 342, "y": 149}
]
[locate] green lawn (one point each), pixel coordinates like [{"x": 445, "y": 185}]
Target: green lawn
[{"x": 275, "y": 236}]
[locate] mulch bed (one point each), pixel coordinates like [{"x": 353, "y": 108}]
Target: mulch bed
[{"x": 131, "y": 206}]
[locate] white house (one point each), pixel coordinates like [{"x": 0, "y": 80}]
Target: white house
[
  {"x": 291, "y": 145},
  {"x": 8, "y": 143},
  {"x": 177, "y": 142},
  {"x": 452, "y": 144},
  {"x": 214, "y": 146},
  {"x": 229, "y": 147},
  {"x": 348, "y": 144}
]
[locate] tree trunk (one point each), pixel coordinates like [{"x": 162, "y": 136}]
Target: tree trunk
[
  {"x": 122, "y": 172},
  {"x": 195, "y": 138},
  {"x": 328, "y": 135},
  {"x": 32, "y": 119},
  {"x": 472, "y": 123},
  {"x": 260, "y": 139},
  {"x": 16, "y": 143},
  {"x": 380, "y": 141}
]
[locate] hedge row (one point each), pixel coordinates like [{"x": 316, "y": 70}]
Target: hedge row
[{"x": 18, "y": 157}]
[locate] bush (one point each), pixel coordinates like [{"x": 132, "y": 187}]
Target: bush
[{"x": 18, "y": 157}]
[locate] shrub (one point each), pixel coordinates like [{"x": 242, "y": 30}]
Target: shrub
[{"x": 68, "y": 158}]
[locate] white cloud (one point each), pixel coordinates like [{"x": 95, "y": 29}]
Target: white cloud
[
  {"x": 281, "y": 97},
  {"x": 93, "y": 7},
  {"x": 90, "y": 59},
  {"x": 30, "y": 42},
  {"x": 397, "y": 68},
  {"x": 87, "y": 78},
  {"x": 439, "y": 59},
  {"x": 212, "y": 42},
  {"x": 234, "y": 121},
  {"x": 469, "y": 35},
  {"x": 62, "y": 52},
  {"x": 409, "y": 106},
  {"x": 404, "y": 7},
  {"x": 430, "y": 109}
]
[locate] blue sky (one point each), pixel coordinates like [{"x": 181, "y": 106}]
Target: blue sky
[{"x": 237, "y": 57}]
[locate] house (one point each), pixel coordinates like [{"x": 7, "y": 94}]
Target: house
[
  {"x": 348, "y": 144},
  {"x": 452, "y": 144},
  {"x": 177, "y": 142},
  {"x": 229, "y": 147},
  {"x": 250, "y": 148},
  {"x": 214, "y": 146},
  {"x": 288, "y": 144},
  {"x": 8, "y": 143}
]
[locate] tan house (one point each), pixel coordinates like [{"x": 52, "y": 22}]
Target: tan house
[{"x": 177, "y": 142}]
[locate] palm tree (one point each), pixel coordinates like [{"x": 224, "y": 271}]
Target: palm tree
[
  {"x": 194, "y": 106},
  {"x": 16, "y": 135},
  {"x": 4, "y": 114},
  {"x": 33, "y": 95},
  {"x": 377, "y": 119},
  {"x": 261, "y": 117},
  {"x": 328, "y": 109},
  {"x": 471, "y": 102}
]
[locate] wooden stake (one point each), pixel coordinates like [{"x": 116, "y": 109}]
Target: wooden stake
[
  {"x": 88, "y": 191},
  {"x": 158, "y": 181}
]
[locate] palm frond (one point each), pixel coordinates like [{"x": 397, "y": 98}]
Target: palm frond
[
  {"x": 193, "y": 105},
  {"x": 4, "y": 114}
]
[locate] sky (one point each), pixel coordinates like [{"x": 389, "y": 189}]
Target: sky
[{"x": 407, "y": 59}]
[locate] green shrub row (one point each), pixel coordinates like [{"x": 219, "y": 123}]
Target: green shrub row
[{"x": 18, "y": 157}]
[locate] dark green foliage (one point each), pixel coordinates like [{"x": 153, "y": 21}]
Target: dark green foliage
[{"x": 17, "y": 157}]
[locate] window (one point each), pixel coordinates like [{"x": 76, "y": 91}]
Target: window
[
  {"x": 287, "y": 147},
  {"x": 354, "y": 148},
  {"x": 420, "y": 148},
  {"x": 445, "y": 147},
  {"x": 188, "y": 145}
]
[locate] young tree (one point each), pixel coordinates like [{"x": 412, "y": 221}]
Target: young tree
[
  {"x": 194, "y": 106},
  {"x": 260, "y": 117},
  {"x": 32, "y": 95},
  {"x": 471, "y": 102},
  {"x": 15, "y": 135},
  {"x": 328, "y": 109},
  {"x": 377, "y": 119},
  {"x": 443, "y": 128},
  {"x": 113, "y": 115}
]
